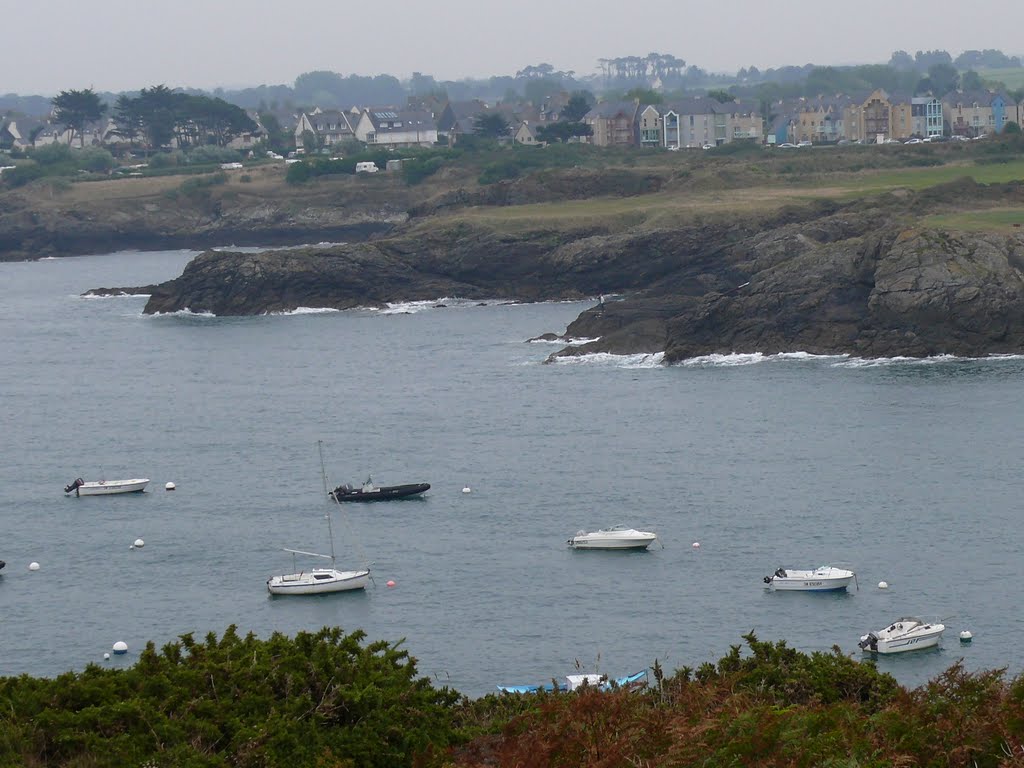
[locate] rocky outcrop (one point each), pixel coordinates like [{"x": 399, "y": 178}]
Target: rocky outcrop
[
  {"x": 827, "y": 278},
  {"x": 203, "y": 217},
  {"x": 858, "y": 285}
]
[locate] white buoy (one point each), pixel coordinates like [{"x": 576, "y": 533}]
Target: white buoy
[
  {"x": 883, "y": 585},
  {"x": 966, "y": 636},
  {"x": 120, "y": 647},
  {"x": 169, "y": 487},
  {"x": 139, "y": 543},
  {"x": 696, "y": 545},
  {"x": 33, "y": 566},
  {"x": 466, "y": 490},
  {"x": 106, "y": 656}
]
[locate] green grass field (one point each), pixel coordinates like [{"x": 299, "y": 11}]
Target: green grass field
[
  {"x": 1000, "y": 220},
  {"x": 1012, "y": 78}
]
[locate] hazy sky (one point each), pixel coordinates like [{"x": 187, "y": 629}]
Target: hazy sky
[{"x": 119, "y": 45}]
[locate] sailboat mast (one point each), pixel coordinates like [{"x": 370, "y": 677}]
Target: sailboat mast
[{"x": 323, "y": 475}]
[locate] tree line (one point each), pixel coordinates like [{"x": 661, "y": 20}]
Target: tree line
[{"x": 156, "y": 117}]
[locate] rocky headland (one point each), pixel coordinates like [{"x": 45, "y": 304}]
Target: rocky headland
[{"x": 860, "y": 278}]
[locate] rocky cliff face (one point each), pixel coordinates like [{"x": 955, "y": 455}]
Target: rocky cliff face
[
  {"x": 828, "y": 278},
  {"x": 854, "y": 284}
]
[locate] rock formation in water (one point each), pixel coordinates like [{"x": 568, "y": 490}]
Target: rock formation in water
[{"x": 859, "y": 278}]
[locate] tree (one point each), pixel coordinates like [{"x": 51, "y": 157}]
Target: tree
[
  {"x": 943, "y": 77},
  {"x": 580, "y": 102},
  {"x": 901, "y": 60},
  {"x": 971, "y": 81},
  {"x": 644, "y": 96},
  {"x": 563, "y": 131},
  {"x": 73, "y": 109},
  {"x": 277, "y": 139},
  {"x": 722, "y": 97},
  {"x": 536, "y": 91},
  {"x": 1011, "y": 126},
  {"x": 491, "y": 125}
]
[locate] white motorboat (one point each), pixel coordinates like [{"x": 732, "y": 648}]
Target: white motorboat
[
  {"x": 317, "y": 581},
  {"x": 827, "y": 578},
  {"x": 616, "y": 537},
  {"x": 105, "y": 487},
  {"x": 908, "y": 633}
]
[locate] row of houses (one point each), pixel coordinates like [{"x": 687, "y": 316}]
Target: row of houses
[
  {"x": 885, "y": 116},
  {"x": 686, "y": 123},
  {"x": 878, "y": 116}
]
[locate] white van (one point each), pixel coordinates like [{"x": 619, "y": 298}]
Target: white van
[{"x": 368, "y": 167}]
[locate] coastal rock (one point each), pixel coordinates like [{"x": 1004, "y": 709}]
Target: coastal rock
[{"x": 847, "y": 285}]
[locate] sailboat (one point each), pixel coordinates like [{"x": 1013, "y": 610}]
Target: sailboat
[{"x": 317, "y": 581}]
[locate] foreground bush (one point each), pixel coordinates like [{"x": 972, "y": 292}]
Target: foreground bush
[
  {"x": 771, "y": 707},
  {"x": 323, "y": 699},
  {"x": 329, "y": 700}
]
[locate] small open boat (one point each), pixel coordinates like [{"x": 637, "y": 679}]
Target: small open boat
[
  {"x": 105, "y": 487},
  {"x": 616, "y": 537},
  {"x": 575, "y": 682},
  {"x": 370, "y": 492},
  {"x": 827, "y": 578},
  {"x": 908, "y": 633}
]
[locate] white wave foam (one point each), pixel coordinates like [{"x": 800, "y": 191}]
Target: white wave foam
[
  {"x": 306, "y": 311},
  {"x": 448, "y": 302},
  {"x": 186, "y": 312},
  {"x": 573, "y": 342},
  {"x": 751, "y": 358},
  {"x": 642, "y": 360},
  {"x": 878, "y": 362},
  {"x": 835, "y": 361},
  {"x": 114, "y": 296}
]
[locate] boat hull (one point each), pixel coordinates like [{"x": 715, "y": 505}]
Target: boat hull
[
  {"x": 319, "y": 581},
  {"x": 108, "y": 487},
  {"x": 906, "y": 634},
  {"x": 586, "y": 542},
  {"x": 821, "y": 580},
  {"x": 382, "y": 493},
  {"x": 613, "y": 538}
]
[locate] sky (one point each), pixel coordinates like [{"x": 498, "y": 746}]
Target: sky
[{"x": 117, "y": 45}]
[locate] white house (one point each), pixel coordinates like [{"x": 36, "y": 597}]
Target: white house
[{"x": 391, "y": 128}]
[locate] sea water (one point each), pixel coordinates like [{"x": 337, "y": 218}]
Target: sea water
[{"x": 904, "y": 471}]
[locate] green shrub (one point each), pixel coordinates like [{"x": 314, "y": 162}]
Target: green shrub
[
  {"x": 95, "y": 159},
  {"x": 323, "y": 698},
  {"x": 212, "y": 154},
  {"x": 245, "y": 178},
  {"x": 22, "y": 174},
  {"x": 167, "y": 159}
]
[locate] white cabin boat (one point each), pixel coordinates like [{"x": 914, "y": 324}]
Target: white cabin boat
[
  {"x": 317, "y": 580},
  {"x": 105, "y": 487},
  {"x": 827, "y": 578},
  {"x": 908, "y": 633},
  {"x": 616, "y": 537}
]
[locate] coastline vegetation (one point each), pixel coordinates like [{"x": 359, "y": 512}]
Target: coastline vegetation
[{"x": 329, "y": 699}]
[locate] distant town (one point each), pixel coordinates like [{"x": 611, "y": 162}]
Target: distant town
[{"x": 655, "y": 102}]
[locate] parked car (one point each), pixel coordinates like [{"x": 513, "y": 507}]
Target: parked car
[
  {"x": 804, "y": 144},
  {"x": 786, "y": 145},
  {"x": 913, "y": 141}
]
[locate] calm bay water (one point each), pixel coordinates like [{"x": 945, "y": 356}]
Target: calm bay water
[{"x": 906, "y": 471}]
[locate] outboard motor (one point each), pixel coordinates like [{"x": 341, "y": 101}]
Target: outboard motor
[
  {"x": 869, "y": 641},
  {"x": 767, "y": 579},
  {"x": 2, "y": 564},
  {"x": 74, "y": 486}
]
